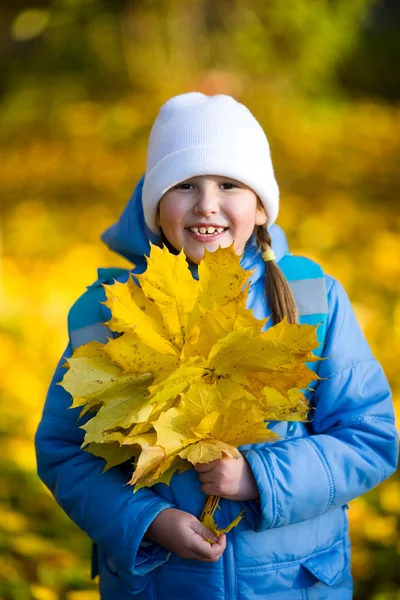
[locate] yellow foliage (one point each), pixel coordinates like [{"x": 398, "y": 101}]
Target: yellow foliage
[
  {"x": 29, "y": 544},
  {"x": 175, "y": 388},
  {"x": 9, "y": 570},
  {"x": 12, "y": 521},
  {"x": 40, "y": 592},
  {"x": 340, "y": 208},
  {"x": 83, "y": 595},
  {"x": 390, "y": 497},
  {"x": 381, "y": 529},
  {"x": 209, "y": 523}
]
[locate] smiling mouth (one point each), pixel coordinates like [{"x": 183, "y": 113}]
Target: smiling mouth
[{"x": 209, "y": 231}]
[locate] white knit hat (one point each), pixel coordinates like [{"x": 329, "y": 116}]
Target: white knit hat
[{"x": 195, "y": 134}]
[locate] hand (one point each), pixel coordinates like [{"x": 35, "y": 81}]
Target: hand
[
  {"x": 230, "y": 478},
  {"x": 184, "y": 535}
]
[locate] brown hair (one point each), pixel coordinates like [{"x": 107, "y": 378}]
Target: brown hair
[{"x": 277, "y": 289}]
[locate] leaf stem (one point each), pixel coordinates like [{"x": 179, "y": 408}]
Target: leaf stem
[{"x": 210, "y": 507}]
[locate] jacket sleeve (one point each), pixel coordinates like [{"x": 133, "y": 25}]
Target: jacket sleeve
[
  {"x": 99, "y": 503},
  {"x": 353, "y": 442}
]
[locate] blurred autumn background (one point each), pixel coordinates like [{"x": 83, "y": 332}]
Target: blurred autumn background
[{"x": 80, "y": 84}]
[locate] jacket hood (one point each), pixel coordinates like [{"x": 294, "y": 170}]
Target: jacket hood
[{"x": 130, "y": 237}]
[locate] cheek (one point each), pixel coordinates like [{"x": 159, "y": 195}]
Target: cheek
[
  {"x": 168, "y": 219},
  {"x": 171, "y": 213},
  {"x": 244, "y": 219},
  {"x": 243, "y": 209}
]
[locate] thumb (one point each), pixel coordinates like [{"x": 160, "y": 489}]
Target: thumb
[{"x": 203, "y": 532}]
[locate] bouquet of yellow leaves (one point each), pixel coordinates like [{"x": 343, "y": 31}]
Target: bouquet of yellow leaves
[{"x": 192, "y": 376}]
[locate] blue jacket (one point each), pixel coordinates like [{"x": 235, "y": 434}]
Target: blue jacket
[{"x": 293, "y": 543}]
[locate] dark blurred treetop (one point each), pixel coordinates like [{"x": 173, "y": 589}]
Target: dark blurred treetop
[
  {"x": 372, "y": 68},
  {"x": 59, "y": 51}
]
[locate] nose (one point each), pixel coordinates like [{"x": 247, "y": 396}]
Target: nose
[{"x": 206, "y": 202}]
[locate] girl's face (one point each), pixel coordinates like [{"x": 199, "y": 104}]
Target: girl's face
[{"x": 209, "y": 211}]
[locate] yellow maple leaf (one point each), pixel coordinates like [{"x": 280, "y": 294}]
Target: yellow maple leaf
[
  {"x": 112, "y": 452},
  {"x": 192, "y": 375},
  {"x": 134, "y": 356},
  {"x": 173, "y": 429},
  {"x": 179, "y": 465},
  {"x": 168, "y": 283},
  {"x": 210, "y": 524},
  {"x": 217, "y": 322},
  {"x": 291, "y": 406},
  {"x": 121, "y": 410},
  {"x": 243, "y": 424},
  {"x": 207, "y": 450},
  {"x": 149, "y": 460},
  {"x": 132, "y": 311},
  {"x": 221, "y": 277},
  {"x": 186, "y": 374},
  {"x": 92, "y": 380},
  {"x": 207, "y": 518},
  {"x": 205, "y": 426}
]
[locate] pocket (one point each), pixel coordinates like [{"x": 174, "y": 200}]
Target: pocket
[
  {"x": 330, "y": 571},
  {"x": 111, "y": 586},
  {"x": 329, "y": 566},
  {"x": 324, "y": 575}
]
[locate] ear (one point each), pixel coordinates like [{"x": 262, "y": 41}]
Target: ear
[{"x": 261, "y": 216}]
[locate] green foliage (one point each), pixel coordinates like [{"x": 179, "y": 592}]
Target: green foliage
[
  {"x": 338, "y": 175},
  {"x": 72, "y": 51},
  {"x": 78, "y": 98}
]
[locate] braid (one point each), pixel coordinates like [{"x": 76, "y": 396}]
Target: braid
[{"x": 277, "y": 289}]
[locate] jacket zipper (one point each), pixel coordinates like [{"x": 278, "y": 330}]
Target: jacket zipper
[{"x": 231, "y": 592}]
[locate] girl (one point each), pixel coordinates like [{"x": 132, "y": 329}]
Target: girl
[{"x": 209, "y": 182}]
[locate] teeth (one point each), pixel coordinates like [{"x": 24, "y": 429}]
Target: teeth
[{"x": 207, "y": 230}]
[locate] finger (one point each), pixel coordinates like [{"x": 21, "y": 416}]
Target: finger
[
  {"x": 210, "y": 489},
  {"x": 202, "y": 550},
  {"x": 208, "y": 536},
  {"x": 218, "y": 548},
  {"x": 207, "y": 477},
  {"x": 217, "y": 553},
  {"x": 205, "y": 467},
  {"x": 214, "y": 558},
  {"x": 221, "y": 542},
  {"x": 201, "y": 547},
  {"x": 199, "y": 530}
]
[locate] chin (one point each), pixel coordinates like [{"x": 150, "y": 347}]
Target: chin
[
  {"x": 194, "y": 258},
  {"x": 195, "y": 255}
]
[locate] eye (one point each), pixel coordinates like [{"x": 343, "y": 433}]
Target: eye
[
  {"x": 228, "y": 185},
  {"x": 183, "y": 186}
]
